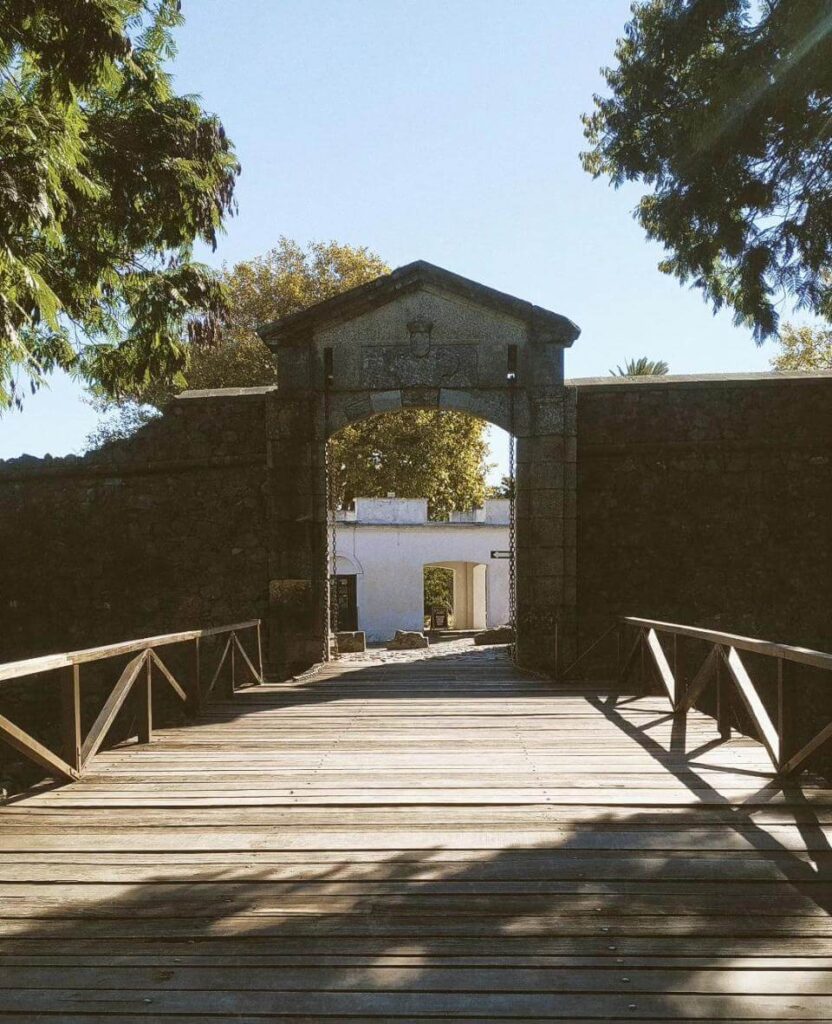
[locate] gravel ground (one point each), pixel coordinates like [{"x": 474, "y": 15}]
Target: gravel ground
[{"x": 442, "y": 649}]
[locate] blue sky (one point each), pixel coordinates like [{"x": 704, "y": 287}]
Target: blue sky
[{"x": 431, "y": 130}]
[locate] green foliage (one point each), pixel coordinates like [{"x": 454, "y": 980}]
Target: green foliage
[
  {"x": 441, "y": 456},
  {"x": 724, "y": 108},
  {"x": 415, "y": 453},
  {"x": 504, "y": 489},
  {"x": 287, "y": 279},
  {"x": 804, "y": 348},
  {"x": 642, "y": 367},
  {"x": 119, "y": 422},
  {"x": 107, "y": 177},
  {"x": 439, "y": 589}
]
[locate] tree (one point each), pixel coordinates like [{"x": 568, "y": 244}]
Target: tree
[
  {"x": 439, "y": 589},
  {"x": 107, "y": 178},
  {"x": 723, "y": 107},
  {"x": 287, "y": 279},
  {"x": 642, "y": 367},
  {"x": 804, "y": 348},
  {"x": 441, "y": 456},
  {"x": 504, "y": 489},
  {"x": 414, "y": 453}
]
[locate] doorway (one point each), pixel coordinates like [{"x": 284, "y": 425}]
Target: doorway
[{"x": 344, "y": 598}]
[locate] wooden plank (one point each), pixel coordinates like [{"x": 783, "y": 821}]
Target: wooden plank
[
  {"x": 144, "y": 703},
  {"x": 254, "y": 673},
  {"x": 404, "y": 977},
  {"x": 71, "y": 717},
  {"x": 49, "y": 662},
  {"x": 420, "y": 842},
  {"x": 27, "y": 745},
  {"x": 112, "y": 706},
  {"x": 177, "y": 689},
  {"x": 802, "y": 655},
  {"x": 797, "y": 759},
  {"x": 755, "y": 706},
  {"x": 216, "y": 674},
  {"x": 700, "y": 681},
  {"x": 662, "y": 665},
  {"x": 415, "y": 1005}
]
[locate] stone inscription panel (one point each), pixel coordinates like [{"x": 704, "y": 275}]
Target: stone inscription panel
[{"x": 397, "y": 366}]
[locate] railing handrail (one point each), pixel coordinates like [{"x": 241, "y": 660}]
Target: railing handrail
[
  {"x": 136, "y": 681},
  {"x": 724, "y": 668},
  {"x": 49, "y": 662},
  {"x": 803, "y": 655}
]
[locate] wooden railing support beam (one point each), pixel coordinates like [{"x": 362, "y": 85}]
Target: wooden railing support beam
[
  {"x": 195, "y": 696},
  {"x": 112, "y": 706},
  {"x": 144, "y": 702},
  {"x": 77, "y": 750},
  {"x": 71, "y": 716}
]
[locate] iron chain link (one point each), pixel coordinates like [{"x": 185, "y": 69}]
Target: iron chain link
[
  {"x": 512, "y": 523},
  {"x": 330, "y": 588}
]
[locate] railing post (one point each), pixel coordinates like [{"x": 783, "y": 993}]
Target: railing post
[
  {"x": 144, "y": 701},
  {"x": 782, "y": 717},
  {"x": 641, "y": 677},
  {"x": 723, "y": 699},
  {"x": 233, "y": 663},
  {"x": 196, "y": 684},
  {"x": 71, "y": 717},
  {"x": 678, "y": 684},
  {"x": 619, "y": 630},
  {"x": 259, "y": 653}
]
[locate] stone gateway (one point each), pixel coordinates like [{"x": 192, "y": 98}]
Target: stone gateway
[
  {"x": 421, "y": 337},
  {"x": 691, "y": 499}
]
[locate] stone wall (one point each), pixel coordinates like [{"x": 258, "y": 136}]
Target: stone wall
[
  {"x": 699, "y": 500},
  {"x": 709, "y": 502},
  {"x": 164, "y": 531},
  {"x": 161, "y": 532}
]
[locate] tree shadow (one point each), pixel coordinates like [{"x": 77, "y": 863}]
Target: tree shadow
[{"x": 700, "y": 908}]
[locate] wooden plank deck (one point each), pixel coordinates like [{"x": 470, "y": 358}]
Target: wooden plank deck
[{"x": 440, "y": 840}]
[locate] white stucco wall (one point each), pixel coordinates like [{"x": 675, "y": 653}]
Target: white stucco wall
[{"x": 387, "y": 542}]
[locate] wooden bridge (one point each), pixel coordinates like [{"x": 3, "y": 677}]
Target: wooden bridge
[{"x": 442, "y": 839}]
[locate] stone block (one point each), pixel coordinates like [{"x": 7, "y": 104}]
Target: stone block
[
  {"x": 286, "y": 592},
  {"x": 351, "y": 642},
  {"x": 497, "y": 635},
  {"x": 386, "y": 401},
  {"x": 406, "y": 640},
  {"x": 420, "y": 398}
]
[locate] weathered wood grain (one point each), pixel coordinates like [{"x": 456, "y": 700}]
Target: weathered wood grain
[{"x": 441, "y": 840}]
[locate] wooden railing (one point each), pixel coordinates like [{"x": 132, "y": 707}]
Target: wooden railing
[
  {"x": 137, "y": 676},
  {"x": 723, "y": 668}
]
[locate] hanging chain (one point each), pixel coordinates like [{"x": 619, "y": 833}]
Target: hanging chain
[
  {"x": 329, "y": 600},
  {"x": 512, "y": 521}
]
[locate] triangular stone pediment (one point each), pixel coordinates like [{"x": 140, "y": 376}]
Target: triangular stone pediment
[{"x": 417, "y": 290}]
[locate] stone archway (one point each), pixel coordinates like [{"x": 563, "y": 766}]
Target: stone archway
[{"x": 421, "y": 337}]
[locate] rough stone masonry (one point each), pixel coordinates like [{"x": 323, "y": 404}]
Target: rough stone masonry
[{"x": 699, "y": 499}]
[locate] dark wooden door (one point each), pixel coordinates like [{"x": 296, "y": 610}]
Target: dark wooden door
[{"x": 345, "y": 593}]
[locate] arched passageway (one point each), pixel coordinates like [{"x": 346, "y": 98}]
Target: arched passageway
[{"x": 421, "y": 337}]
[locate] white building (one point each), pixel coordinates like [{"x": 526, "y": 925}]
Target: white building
[{"x": 383, "y": 547}]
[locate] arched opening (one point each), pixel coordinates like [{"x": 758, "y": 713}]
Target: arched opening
[
  {"x": 463, "y": 596},
  {"x": 419, "y": 500},
  {"x": 421, "y": 337}
]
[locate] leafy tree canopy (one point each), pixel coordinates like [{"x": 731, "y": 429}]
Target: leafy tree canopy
[
  {"x": 441, "y": 456},
  {"x": 438, "y": 589},
  {"x": 107, "y": 177},
  {"x": 804, "y": 348},
  {"x": 287, "y": 279},
  {"x": 642, "y": 367},
  {"x": 724, "y": 108}
]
